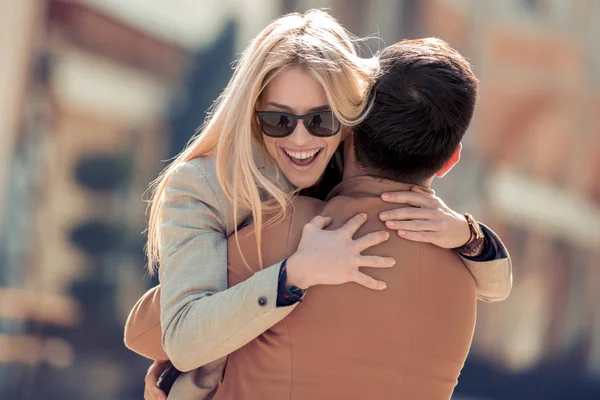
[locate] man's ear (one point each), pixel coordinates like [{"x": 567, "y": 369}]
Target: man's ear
[{"x": 452, "y": 161}]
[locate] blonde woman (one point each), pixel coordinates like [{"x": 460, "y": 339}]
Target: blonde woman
[{"x": 274, "y": 130}]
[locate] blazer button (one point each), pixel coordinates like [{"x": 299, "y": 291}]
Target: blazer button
[{"x": 262, "y": 301}]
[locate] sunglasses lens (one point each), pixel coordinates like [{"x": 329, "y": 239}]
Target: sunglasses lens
[
  {"x": 277, "y": 124},
  {"x": 322, "y": 123}
]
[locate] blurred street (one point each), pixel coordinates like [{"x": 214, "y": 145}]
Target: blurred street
[{"x": 97, "y": 95}]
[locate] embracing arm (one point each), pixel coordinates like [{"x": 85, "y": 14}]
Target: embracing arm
[
  {"x": 142, "y": 329},
  {"x": 431, "y": 220},
  {"x": 493, "y": 272},
  {"x": 202, "y": 320}
]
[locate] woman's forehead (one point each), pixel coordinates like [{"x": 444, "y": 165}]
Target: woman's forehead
[{"x": 294, "y": 90}]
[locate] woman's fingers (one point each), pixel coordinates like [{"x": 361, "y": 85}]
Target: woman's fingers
[
  {"x": 419, "y": 190},
  {"x": 418, "y": 236},
  {"x": 370, "y": 240},
  {"x": 368, "y": 282},
  {"x": 158, "y": 394},
  {"x": 151, "y": 392},
  {"x": 154, "y": 394},
  {"x": 409, "y": 213},
  {"x": 354, "y": 224},
  {"x": 418, "y": 225},
  {"x": 412, "y": 198},
  {"x": 376, "y": 262},
  {"x": 319, "y": 222}
]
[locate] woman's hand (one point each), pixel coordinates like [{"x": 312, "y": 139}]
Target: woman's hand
[
  {"x": 151, "y": 392},
  {"x": 333, "y": 257},
  {"x": 428, "y": 220}
]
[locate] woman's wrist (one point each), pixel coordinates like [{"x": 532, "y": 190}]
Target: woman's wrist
[
  {"x": 474, "y": 245},
  {"x": 295, "y": 276}
]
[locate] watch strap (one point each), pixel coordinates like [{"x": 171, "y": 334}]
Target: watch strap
[{"x": 476, "y": 239}]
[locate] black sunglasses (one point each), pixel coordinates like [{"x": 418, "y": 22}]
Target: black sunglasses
[{"x": 281, "y": 124}]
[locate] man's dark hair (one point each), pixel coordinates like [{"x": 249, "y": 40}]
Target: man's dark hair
[{"x": 422, "y": 103}]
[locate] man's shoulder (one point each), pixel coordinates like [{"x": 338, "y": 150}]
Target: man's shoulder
[
  {"x": 298, "y": 212},
  {"x": 281, "y": 234},
  {"x": 304, "y": 208},
  {"x": 309, "y": 203}
]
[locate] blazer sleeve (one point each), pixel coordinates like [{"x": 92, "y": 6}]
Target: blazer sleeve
[
  {"x": 202, "y": 320},
  {"x": 493, "y": 278}
]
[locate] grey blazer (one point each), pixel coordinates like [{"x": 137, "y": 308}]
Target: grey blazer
[{"x": 202, "y": 319}]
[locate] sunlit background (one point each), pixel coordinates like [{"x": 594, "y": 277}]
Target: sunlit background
[{"x": 95, "y": 93}]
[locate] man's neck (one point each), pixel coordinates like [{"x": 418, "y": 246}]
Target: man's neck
[
  {"x": 351, "y": 166},
  {"x": 353, "y": 169}
]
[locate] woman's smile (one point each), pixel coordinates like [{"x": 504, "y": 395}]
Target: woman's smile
[{"x": 302, "y": 159}]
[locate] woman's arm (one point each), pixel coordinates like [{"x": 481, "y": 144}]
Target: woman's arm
[
  {"x": 431, "y": 220},
  {"x": 494, "y": 275},
  {"x": 200, "y": 317}
]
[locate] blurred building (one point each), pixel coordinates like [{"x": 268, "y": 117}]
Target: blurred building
[
  {"x": 89, "y": 108},
  {"x": 96, "y": 92}
]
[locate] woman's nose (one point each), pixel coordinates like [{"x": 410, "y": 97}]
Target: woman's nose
[{"x": 300, "y": 135}]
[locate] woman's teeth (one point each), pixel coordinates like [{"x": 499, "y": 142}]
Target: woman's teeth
[{"x": 302, "y": 157}]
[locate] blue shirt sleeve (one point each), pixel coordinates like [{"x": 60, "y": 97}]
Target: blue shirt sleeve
[{"x": 287, "y": 296}]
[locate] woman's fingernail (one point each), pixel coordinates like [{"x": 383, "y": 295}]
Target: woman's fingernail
[
  {"x": 383, "y": 215},
  {"x": 401, "y": 232},
  {"x": 385, "y": 196},
  {"x": 390, "y": 224},
  {"x": 386, "y": 235}
]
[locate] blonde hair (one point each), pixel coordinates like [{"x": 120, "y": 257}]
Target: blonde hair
[{"x": 320, "y": 46}]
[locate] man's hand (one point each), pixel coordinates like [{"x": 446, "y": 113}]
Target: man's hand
[{"x": 151, "y": 392}]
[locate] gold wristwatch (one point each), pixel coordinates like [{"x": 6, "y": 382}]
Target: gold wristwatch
[{"x": 476, "y": 239}]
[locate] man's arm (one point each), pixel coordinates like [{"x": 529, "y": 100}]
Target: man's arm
[{"x": 142, "y": 329}]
